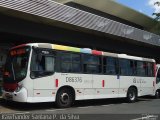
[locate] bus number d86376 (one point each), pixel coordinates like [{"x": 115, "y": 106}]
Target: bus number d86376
[{"x": 74, "y": 79}]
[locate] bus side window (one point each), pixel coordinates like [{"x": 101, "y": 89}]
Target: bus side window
[
  {"x": 66, "y": 62},
  {"x": 126, "y": 67},
  {"x": 76, "y": 63},
  {"x": 70, "y": 62},
  {"x": 42, "y": 67},
  {"x": 158, "y": 76},
  {"x": 150, "y": 69},
  {"x": 141, "y": 68},
  {"x": 109, "y": 66},
  {"x": 91, "y": 64}
]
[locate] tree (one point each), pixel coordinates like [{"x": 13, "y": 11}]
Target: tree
[{"x": 157, "y": 14}]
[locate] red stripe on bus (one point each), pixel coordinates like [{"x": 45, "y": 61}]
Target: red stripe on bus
[
  {"x": 96, "y": 52},
  {"x": 56, "y": 82},
  {"x": 103, "y": 83},
  {"x": 19, "y": 46}
]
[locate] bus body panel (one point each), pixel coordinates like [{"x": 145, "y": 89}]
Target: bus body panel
[
  {"x": 147, "y": 87},
  {"x": 126, "y": 82},
  {"x": 20, "y": 96},
  {"x": 144, "y": 84},
  {"x": 106, "y": 85}
]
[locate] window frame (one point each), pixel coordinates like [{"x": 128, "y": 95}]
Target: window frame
[{"x": 36, "y": 51}]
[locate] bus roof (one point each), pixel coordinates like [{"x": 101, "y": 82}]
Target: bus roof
[
  {"x": 87, "y": 50},
  {"x": 158, "y": 65}
]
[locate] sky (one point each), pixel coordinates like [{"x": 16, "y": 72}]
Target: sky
[{"x": 146, "y": 7}]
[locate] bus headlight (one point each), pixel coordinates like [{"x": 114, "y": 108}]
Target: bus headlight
[{"x": 18, "y": 88}]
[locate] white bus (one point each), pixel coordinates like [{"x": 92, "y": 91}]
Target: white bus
[{"x": 43, "y": 72}]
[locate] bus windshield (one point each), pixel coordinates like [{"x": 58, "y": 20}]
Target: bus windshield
[{"x": 16, "y": 65}]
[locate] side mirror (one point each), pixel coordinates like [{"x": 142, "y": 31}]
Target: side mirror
[{"x": 32, "y": 74}]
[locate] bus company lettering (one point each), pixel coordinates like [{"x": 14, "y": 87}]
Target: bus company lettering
[
  {"x": 134, "y": 80},
  {"x": 74, "y": 79},
  {"x": 138, "y": 81}
]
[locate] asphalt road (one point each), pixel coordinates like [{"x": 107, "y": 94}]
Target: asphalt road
[{"x": 146, "y": 108}]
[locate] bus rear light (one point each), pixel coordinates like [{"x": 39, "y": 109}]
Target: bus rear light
[
  {"x": 56, "y": 82},
  {"x": 153, "y": 83}
]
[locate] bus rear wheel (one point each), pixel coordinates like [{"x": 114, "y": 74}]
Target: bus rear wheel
[
  {"x": 157, "y": 94},
  {"x": 64, "y": 98},
  {"x": 132, "y": 95}
]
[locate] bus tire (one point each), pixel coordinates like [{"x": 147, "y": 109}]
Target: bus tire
[
  {"x": 157, "y": 94},
  {"x": 132, "y": 95},
  {"x": 64, "y": 98}
]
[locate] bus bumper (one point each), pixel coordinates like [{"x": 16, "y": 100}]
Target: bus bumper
[{"x": 20, "y": 96}]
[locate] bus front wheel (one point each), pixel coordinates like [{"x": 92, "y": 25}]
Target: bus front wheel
[
  {"x": 64, "y": 98},
  {"x": 131, "y": 95}
]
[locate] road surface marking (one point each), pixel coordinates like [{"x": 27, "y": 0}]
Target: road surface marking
[
  {"x": 84, "y": 107},
  {"x": 55, "y": 110},
  {"x": 124, "y": 103},
  {"x": 147, "y": 117},
  {"x": 22, "y": 113},
  {"x": 107, "y": 105}
]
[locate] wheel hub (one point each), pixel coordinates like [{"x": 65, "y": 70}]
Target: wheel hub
[
  {"x": 132, "y": 95},
  {"x": 64, "y": 98},
  {"x": 157, "y": 94}
]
